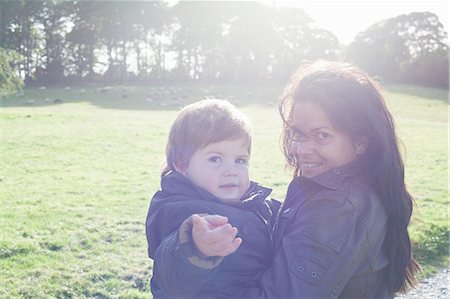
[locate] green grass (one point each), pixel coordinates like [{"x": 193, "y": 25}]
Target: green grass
[{"x": 76, "y": 180}]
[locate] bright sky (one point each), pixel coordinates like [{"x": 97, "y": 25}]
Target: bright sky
[{"x": 347, "y": 18}]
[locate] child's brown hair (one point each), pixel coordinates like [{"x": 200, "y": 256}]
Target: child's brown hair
[{"x": 202, "y": 123}]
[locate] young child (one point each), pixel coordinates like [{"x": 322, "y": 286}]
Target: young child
[{"x": 207, "y": 154}]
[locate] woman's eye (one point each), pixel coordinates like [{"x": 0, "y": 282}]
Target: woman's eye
[
  {"x": 297, "y": 137},
  {"x": 323, "y": 135},
  {"x": 215, "y": 159}
]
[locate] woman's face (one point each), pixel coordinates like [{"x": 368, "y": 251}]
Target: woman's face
[{"x": 317, "y": 145}]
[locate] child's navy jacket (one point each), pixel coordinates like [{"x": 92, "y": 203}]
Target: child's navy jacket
[{"x": 174, "y": 275}]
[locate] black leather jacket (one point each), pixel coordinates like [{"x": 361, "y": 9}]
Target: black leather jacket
[{"x": 328, "y": 241}]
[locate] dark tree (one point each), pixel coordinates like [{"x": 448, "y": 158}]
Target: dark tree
[
  {"x": 18, "y": 32},
  {"x": 387, "y": 46},
  {"x": 84, "y": 38}
]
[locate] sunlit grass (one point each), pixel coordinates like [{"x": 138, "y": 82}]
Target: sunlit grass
[{"x": 76, "y": 180}]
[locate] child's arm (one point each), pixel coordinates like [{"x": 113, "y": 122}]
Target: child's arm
[{"x": 181, "y": 268}]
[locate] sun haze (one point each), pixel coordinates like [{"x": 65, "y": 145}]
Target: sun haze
[{"x": 345, "y": 19}]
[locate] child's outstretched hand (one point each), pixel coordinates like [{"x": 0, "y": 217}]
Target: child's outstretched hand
[{"x": 214, "y": 236}]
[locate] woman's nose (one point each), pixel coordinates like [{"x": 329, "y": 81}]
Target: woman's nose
[{"x": 305, "y": 147}]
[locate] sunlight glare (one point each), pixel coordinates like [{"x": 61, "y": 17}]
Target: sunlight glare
[{"x": 346, "y": 19}]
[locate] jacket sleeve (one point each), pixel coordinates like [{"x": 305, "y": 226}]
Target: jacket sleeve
[
  {"x": 179, "y": 268},
  {"x": 320, "y": 249}
]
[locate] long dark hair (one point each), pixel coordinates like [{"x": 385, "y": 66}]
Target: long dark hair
[{"x": 355, "y": 105}]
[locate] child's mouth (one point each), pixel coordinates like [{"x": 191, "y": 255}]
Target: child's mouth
[{"x": 228, "y": 186}]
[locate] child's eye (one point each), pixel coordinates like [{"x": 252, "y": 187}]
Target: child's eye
[
  {"x": 215, "y": 159},
  {"x": 242, "y": 161}
]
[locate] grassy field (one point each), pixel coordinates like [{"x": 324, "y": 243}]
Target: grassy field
[{"x": 77, "y": 177}]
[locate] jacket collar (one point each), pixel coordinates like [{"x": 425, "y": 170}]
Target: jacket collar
[
  {"x": 333, "y": 178},
  {"x": 255, "y": 190}
]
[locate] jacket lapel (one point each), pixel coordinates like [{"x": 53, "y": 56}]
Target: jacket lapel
[{"x": 299, "y": 191}]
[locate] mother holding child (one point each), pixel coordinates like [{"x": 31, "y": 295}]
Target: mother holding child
[{"x": 341, "y": 232}]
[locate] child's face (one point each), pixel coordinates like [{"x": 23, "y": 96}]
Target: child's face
[
  {"x": 318, "y": 145},
  {"x": 220, "y": 168}
]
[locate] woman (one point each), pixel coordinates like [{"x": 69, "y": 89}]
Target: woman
[{"x": 342, "y": 230}]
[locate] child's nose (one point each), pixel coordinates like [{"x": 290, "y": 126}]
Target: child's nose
[{"x": 230, "y": 169}]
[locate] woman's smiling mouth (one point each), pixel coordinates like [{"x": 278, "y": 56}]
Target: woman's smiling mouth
[{"x": 311, "y": 164}]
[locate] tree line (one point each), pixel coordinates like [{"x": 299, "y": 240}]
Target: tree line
[{"x": 63, "y": 42}]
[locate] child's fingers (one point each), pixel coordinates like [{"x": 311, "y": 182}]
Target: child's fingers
[
  {"x": 231, "y": 248},
  {"x": 215, "y": 220},
  {"x": 204, "y": 235},
  {"x": 221, "y": 240},
  {"x": 231, "y": 233},
  {"x": 212, "y": 221},
  {"x": 214, "y": 241},
  {"x": 200, "y": 224},
  {"x": 223, "y": 234},
  {"x": 222, "y": 248}
]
